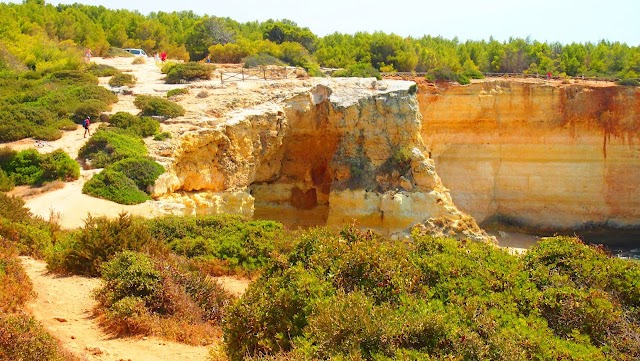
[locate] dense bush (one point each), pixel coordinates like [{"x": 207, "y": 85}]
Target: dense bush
[
  {"x": 28, "y": 167},
  {"x": 177, "y": 91},
  {"x": 361, "y": 70},
  {"x": 15, "y": 285},
  {"x": 140, "y": 126},
  {"x": 356, "y": 296},
  {"x": 262, "y": 59},
  {"x": 158, "y": 106},
  {"x": 142, "y": 171},
  {"x": 122, "y": 79},
  {"x": 57, "y": 165},
  {"x": 142, "y": 296},
  {"x": 139, "y": 60},
  {"x": 107, "y": 146},
  {"x": 243, "y": 246},
  {"x": 186, "y": 72},
  {"x": 116, "y": 187},
  {"x": 6, "y": 183},
  {"x": 22, "y": 338},
  {"x": 74, "y": 77},
  {"x": 628, "y": 82},
  {"x": 93, "y": 108},
  {"x": 30, "y": 236},
  {"x": 102, "y": 70},
  {"x": 84, "y": 251}
]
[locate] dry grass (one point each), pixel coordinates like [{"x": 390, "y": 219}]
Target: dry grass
[
  {"x": 15, "y": 285},
  {"x": 28, "y": 192},
  {"x": 139, "y": 60},
  {"x": 168, "y": 328}
]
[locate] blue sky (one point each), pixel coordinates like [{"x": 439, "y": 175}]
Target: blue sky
[{"x": 565, "y": 21}]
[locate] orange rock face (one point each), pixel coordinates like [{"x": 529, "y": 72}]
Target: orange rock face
[{"x": 550, "y": 156}]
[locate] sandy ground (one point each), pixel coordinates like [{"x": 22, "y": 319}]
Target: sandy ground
[{"x": 64, "y": 306}]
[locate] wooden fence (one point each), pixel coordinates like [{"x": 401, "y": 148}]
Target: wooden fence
[{"x": 261, "y": 73}]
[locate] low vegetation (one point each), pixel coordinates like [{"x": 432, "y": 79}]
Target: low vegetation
[
  {"x": 29, "y": 167},
  {"x": 187, "y": 72},
  {"x": 158, "y": 106},
  {"x": 139, "y": 126},
  {"x": 122, "y": 79},
  {"x": 160, "y": 297},
  {"x": 346, "y": 295},
  {"x": 21, "y": 336},
  {"x": 159, "y": 137},
  {"x": 177, "y": 91},
  {"x": 110, "y": 145},
  {"x": 42, "y": 106},
  {"x": 356, "y": 296},
  {"x": 102, "y": 70},
  {"x": 361, "y": 70}
]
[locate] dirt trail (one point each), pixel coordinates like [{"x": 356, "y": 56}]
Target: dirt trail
[{"x": 63, "y": 305}]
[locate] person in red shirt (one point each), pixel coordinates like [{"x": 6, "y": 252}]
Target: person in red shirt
[
  {"x": 163, "y": 56},
  {"x": 85, "y": 125}
]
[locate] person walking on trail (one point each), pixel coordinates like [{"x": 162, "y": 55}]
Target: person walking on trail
[
  {"x": 163, "y": 56},
  {"x": 85, "y": 124},
  {"x": 87, "y": 55}
]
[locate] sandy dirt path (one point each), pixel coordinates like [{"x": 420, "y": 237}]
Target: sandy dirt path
[{"x": 64, "y": 306}]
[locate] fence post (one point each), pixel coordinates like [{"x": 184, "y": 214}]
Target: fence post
[
  {"x": 242, "y": 74},
  {"x": 264, "y": 73},
  {"x": 221, "y": 80}
]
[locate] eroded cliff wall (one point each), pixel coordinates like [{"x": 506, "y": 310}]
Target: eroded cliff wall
[
  {"x": 332, "y": 152},
  {"x": 546, "y": 155}
]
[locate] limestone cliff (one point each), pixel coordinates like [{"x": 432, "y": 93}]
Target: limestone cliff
[
  {"x": 545, "y": 155},
  {"x": 331, "y": 152}
]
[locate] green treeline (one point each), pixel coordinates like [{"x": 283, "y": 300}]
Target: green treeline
[{"x": 38, "y": 35}]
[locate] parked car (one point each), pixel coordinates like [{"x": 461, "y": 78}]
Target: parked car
[{"x": 136, "y": 52}]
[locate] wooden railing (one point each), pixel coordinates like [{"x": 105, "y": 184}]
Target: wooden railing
[{"x": 261, "y": 73}]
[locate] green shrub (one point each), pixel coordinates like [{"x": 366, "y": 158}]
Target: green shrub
[
  {"x": 436, "y": 299},
  {"x": 13, "y": 209},
  {"x": 85, "y": 93},
  {"x": 628, "y": 82},
  {"x": 129, "y": 274},
  {"x": 186, "y": 72},
  {"x": 117, "y": 52},
  {"x": 6, "y": 183},
  {"x": 102, "y": 70},
  {"x": 243, "y": 245},
  {"x": 122, "y": 79},
  {"x": 57, "y": 165},
  {"x": 142, "y": 171},
  {"x": 46, "y": 133},
  {"x": 25, "y": 168},
  {"x": 15, "y": 286},
  {"x": 177, "y": 91},
  {"x": 22, "y": 338},
  {"x": 162, "y": 136},
  {"x": 139, "y": 291},
  {"x": 167, "y": 66},
  {"x": 140, "y": 126},
  {"x": 116, "y": 187},
  {"x": 261, "y": 59},
  {"x": 107, "y": 146},
  {"x": 361, "y": 70},
  {"x": 158, "y": 106},
  {"x": 93, "y": 108},
  {"x": 84, "y": 251},
  {"x": 74, "y": 77}
]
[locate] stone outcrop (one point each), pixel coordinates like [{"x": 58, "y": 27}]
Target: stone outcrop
[
  {"x": 543, "y": 155},
  {"x": 331, "y": 152}
]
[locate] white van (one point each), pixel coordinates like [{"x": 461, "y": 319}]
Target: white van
[{"x": 136, "y": 52}]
